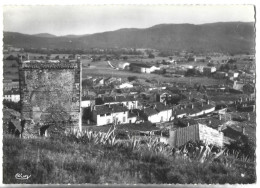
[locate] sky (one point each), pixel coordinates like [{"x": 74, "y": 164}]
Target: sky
[{"x": 87, "y": 19}]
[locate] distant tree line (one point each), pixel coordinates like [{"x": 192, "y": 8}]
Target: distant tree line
[{"x": 112, "y": 51}]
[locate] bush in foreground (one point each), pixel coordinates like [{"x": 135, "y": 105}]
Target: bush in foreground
[{"x": 71, "y": 160}]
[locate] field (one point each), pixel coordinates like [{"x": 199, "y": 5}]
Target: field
[
  {"x": 69, "y": 160},
  {"x": 102, "y": 69}
]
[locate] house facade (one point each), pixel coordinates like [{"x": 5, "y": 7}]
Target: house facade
[
  {"x": 12, "y": 95},
  {"x": 113, "y": 113},
  {"x": 143, "y": 68},
  {"x": 209, "y": 70},
  {"x": 158, "y": 112}
]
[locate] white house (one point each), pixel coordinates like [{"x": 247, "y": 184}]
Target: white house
[
  {"x": 158, "y": 113},
  {"x": 134, "y": 116},
  {"x": 154, "y": 68},
  {"x": 125, "y": 85},
  {"x": 219, "y": 74},
  {"x": 164, "y": 111},
  {"x": 123, "y": 65},
  {"x": 87, "y": 101},
  {"x": 12, "y": 95},
  {"x": 232, "y": 74},
  {"x": 209, "y": 70},
  {"x": 143, "y": 68},
  {"x": 129, "y": 101},
  {"x": 194, "y": 109},
  {"x": 113, "y": 113}
]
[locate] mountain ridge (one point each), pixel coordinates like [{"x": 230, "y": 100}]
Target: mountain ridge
[{"x": 219, "y": 36}]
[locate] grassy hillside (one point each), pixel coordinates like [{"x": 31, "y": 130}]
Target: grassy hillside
[
  {"x": 80, "y": 160},
  {"x": 223, "y": 37}
]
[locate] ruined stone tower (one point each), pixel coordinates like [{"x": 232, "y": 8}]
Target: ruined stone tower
[{"x": 50, "y": 95}]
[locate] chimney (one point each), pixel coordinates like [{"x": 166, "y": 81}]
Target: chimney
[
  {"x": 188, "y": 124},
  {"x": 115, "y": 98},
  {"x": 207, "y": 101},
  {"x": 209, "y": 122},
  {"x": 219, "y": 117},
  {"x": 243, "y": 130},
  {"x": 219, "y": 128},
  {"x": 202, "y": 104},
  {"x": 192, "y": 106}
]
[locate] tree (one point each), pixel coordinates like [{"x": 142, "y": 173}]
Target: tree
[
  {"x": 151, "y": 56},
  {"x": 163, "y": 71},
  {"x": 131, "y": 78},
  {"x": 190, "y": 72},
  {"x": 11, "y": 57}
]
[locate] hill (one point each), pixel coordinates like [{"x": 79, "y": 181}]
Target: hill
[
  {"x": 47, "y": 35},
  {"x": 221, "y": 37}
]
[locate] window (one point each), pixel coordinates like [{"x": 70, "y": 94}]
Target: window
[{"x": 123, "y": 119}]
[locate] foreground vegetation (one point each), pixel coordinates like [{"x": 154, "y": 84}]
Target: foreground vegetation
[{"x": 94, "y": 157}]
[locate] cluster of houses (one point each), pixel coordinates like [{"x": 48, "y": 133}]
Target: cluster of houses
[{"x": 158, "y": 108}]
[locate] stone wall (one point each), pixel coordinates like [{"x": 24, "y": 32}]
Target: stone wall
[
  {"x": 210, "y": 136},
  {"x": 50, "y": 94},
  {"x": 196, "y": 132}
]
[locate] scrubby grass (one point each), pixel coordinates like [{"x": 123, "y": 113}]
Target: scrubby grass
[{"x": 70, "y": 160}]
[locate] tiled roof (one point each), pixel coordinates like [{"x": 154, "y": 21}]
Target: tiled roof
[
  {"x": 113, "y": 108},
  {"x": 161, "y": 107},
  {"x": 125, "y": 98},
  {"x": 187, "y": 121},
  {"x": 108, "y": 99},
  {"x": 211, "y": 122},
  {"x": 179, "y": 111},
  {"x": 9, "y": 113},
  {"x": 149, "y": 111},
  {"x": 197, "y": 107},
  {"x": 17, "y": 124},
  {"x": 88, "y": 97},
  {"x": 140, "y": 65},
  {"x": 134, "y": 113},
  {"x": 12, "y": 92}
]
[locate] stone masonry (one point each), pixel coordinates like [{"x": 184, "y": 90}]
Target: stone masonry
[{"x": 50, "y": 96}]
